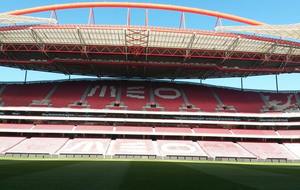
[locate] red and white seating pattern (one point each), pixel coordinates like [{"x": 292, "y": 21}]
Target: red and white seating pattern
[
  {"x": 294, "y": 148},
  {"x": 85, "y": 146},
  {"x": 179, "y": 148},
  {"x": 8, "y": 142},
  {"x": 268, "y": 150},
  {"x": 39, "y": 146},
  {"x": 139, "y": 95},
  {"x": 131, "y": 147},
  {"x": 148, "y": 130},
  {"x": 224, "y": 149},
  {"x": 146, "y": 147}
]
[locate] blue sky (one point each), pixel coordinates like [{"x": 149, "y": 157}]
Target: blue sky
[{"x": 268, "y": 11}]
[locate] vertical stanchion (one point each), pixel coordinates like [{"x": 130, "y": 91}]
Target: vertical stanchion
[
  {"x": 25, "y": 78},
  {"x": 242, "y": 84},
  {"x": 276, "y": 79}
]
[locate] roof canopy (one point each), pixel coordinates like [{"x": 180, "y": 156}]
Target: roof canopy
[
  {"x": 283, "y": 31},
  {"x": 19, "y": 19}
]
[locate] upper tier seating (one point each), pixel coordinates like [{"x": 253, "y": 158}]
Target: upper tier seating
[
  {"x": 39, "y": 146},
  {"x": 69, "y": 94},
  {"x": 268, "y": 150},
  {"x": 85, "y": 146},
  {"x": 224, "y": 149},
  {"x": 8, "y": 142},
  {"x": 137, "y": 95},
  {"x": 131, "y": 147},
  {"x": 279, "y": 102},
  {"x": 168, "y": 96},
  {"x": 201, "y": 97},
  {"x": 241, "y": 101},
  {"x": 25, "y": 94},
  {"x": 179, "y": 148}
]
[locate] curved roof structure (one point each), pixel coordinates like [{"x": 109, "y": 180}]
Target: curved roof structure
[
  {"x": 144, "y": 51},
  {"x": 136, "y": 5}
]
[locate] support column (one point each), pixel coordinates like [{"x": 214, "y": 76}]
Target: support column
[
  {"x": 25, "y": 77},
  {"x": 276, "y": 79},
  {"x": 242, "y": 84}
]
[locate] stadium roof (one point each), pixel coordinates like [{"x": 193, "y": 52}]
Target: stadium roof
[
  {"x": 144, "y": 51},
  {"x": 283, "y": 31},
  {"x": 19, "y": 19}
]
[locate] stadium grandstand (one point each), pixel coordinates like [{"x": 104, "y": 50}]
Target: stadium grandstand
[{"x": 127, "y": 112}]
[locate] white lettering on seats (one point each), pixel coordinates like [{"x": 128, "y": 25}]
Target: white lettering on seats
[
  {"x": 167, "y": 93},
  {"x": 113, "y": 91},
  {"x": 93, "y": 90},
  {"x": 87, "y": 147},
  {"x": 178, "y": 147},
  {"x": 137, "y": 92}
]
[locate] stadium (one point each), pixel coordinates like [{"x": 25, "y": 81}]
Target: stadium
[{"x": 134, "y": 125}]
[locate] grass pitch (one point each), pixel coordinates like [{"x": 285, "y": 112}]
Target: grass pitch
[{"x": 143, "y": 175}]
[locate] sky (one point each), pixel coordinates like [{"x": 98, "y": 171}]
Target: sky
[{"x": 267, "y": 11}]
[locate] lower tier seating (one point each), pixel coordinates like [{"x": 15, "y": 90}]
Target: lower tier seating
[
  {"x": 268, "y": 150},
  {"x": 85, "y": 146},
  {"x": 146, "y": 147},
  {"x": 219, "y": 149},
  {"x": 38, "y": 146}
]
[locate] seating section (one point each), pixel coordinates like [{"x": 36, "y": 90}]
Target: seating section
[
  {"x": 275, "y": 102},
  {"x": 219, "y": 149},
  {"x": 138, "y": 95},
  {"x": 289, "y": 133},
  {"x": 6, "y": 127},
  {"x": 212, "y": 131},
  {"x": 39, "y": 146},
  {"x": 179, "y": 148},
  {"x": 268, "y": 150},
  {"x": 85, "y": 146},
  {"x": 131, "y": 147},
  {"x": 170, "y": 130},
  {"x": 24, "y": 94},
  {"x": 170, "y": 98},
  {"x": 254, "y": 133},
  {"x": 135, "y": 96},
  {"x": 147, "y": 147},
  {"x": 134, "y": 129},
  {"x": 101, "y": 95},
  {"x": 8, "y": 142},
  {"x": 68, "y": 94},
  {"x": 241, "y": 101},
  {"x": 53, "y": 128},
  {"x": 201, "y": 97},
  {"x": 294, "y": 148},
  {"x": 93, "y": 129}
]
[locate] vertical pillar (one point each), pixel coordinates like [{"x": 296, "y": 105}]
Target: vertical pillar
[
  {"x": 128, "y": 17},
  {"x": 242, "y": 84},
  {"x": 146, "y": 18},
  {"x": 276, "y": 79},
  {"x": 182, "y": 21},
  {"x": 91, "y": 17},
  {"x": 25, "y": 78}
]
